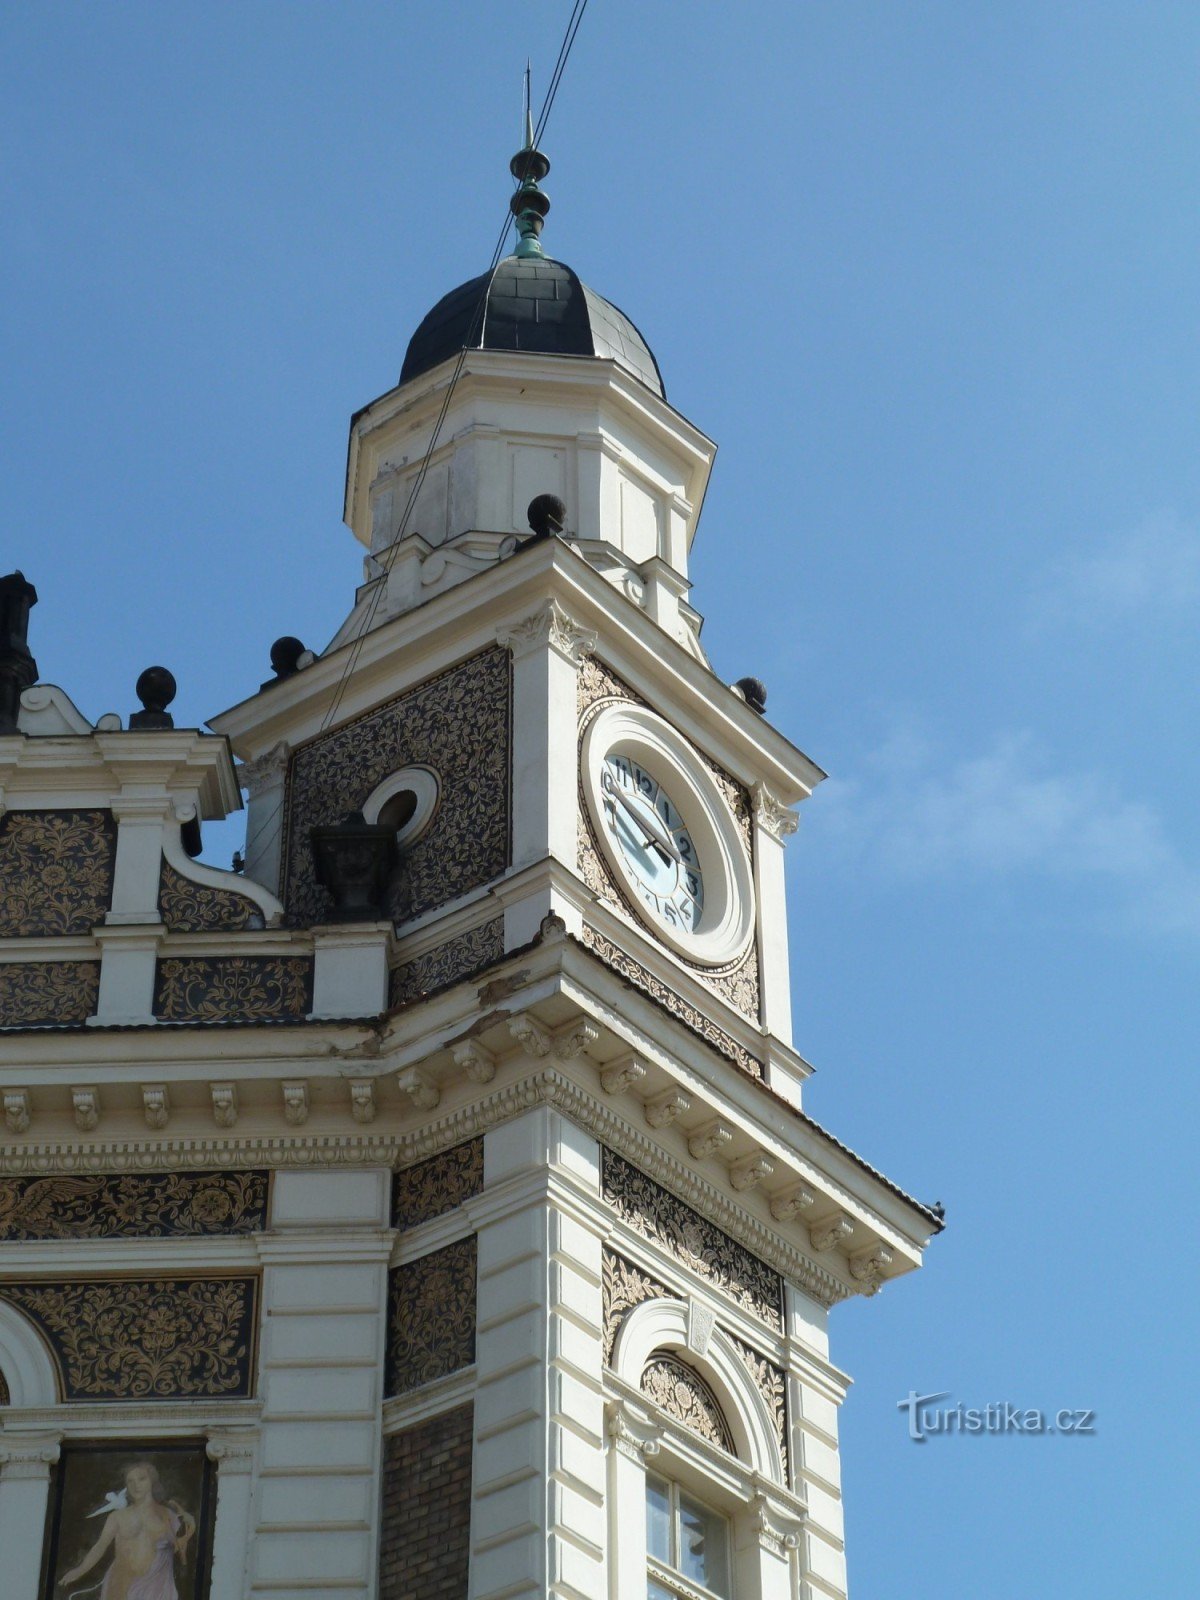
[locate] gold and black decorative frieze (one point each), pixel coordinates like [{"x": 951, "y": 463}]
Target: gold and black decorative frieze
[
  {"x": 457, "y": 725},
  {"x": 56, "y": 872},
  {"x": 233, "y": 989},
  {"x": 189, "y": 907},
  {"x": 692, "y": 1240},
  {"x": 431, "y": 1317},
  {"x": 738, "y": 984},
  {"x": 39, "y": 994},
  {"x": 174, "y": 1205},
  {"x": 662, "y": 994},
  {"x": 431, "y": 1188},
  {"x": 162, "y": 1338},
  {"x": 448, "y": 963}
]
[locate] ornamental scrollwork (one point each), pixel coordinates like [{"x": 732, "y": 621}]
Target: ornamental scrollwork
[
  {"x": 683, "y": 1394},
  {"x": 624, "y": 1286},
  {"x": 133, "y": 1206},
  {"x": 56, "y": 871},
  {"x": 430, "y": 1188},
  {"x": 145, "y": 1339},
  {"x": 771, "y": 1383},
  {"x": 41, "y": 993},
  {"x": 431, "y": 1317},
  {"x": 189, "y": 907},
  {"x": 458, "y": 724},
  {"x": 695, "y": 1242},
  {"x": 652, "y": 986},
  {"x": 455, "y": 959},
  {"x": 233, "y": 988}
]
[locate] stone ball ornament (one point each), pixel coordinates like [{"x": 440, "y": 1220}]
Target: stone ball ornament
[{"x": 155, "y": 688}]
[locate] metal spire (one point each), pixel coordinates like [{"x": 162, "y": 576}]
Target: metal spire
[{"x": 528, "y": 204}]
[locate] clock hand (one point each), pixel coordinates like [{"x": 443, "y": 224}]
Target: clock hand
[{"x": 646, "y": 818}]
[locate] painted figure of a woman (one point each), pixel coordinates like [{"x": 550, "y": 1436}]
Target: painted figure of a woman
[{"x": 146, "y": 1536}]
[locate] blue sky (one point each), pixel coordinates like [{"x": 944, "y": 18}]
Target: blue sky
[{"x": 928, "y": 275}]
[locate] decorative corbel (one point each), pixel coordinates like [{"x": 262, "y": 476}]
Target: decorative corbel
[
  {"x": 630, "y": 1436},
  {"x": 475, "y": 1059},
  {"x": 553, "y": 626},
  {"x": 622, "y": 1074},
  {"x": 529, "y": 1033},
  {"x": 574, "y": 1039},
  {"x": 868, "y": 1266},
  {"x": 18, "y": 1110},
  {"x": 665, "y": 1107},
  {"x": 224, "y": 1104},
  {"x": 789, "y": 1203},
  {"x": 709, "y": 1139},
  {"x": 770, "y": 1535},
  {"x": 772, "y": 815},
  {"x": 295, "y": 1101},
  {"x": 831, "y": 1231},
  {"x": 87, "y": 1108},
  {"x": 419, "y": 1087},
  {"x": 362, "y": 1099},
  {"x": 750, "y": 1170},
  {"x": 156, "y": 1105}
]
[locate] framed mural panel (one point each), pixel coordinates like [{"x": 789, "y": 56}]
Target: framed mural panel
[{"x": 131, "y": 1521}]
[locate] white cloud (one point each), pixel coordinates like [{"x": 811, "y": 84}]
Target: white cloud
[
  {"x": 1005, "y": 813},
  {"x": 1151, "y": 572}
]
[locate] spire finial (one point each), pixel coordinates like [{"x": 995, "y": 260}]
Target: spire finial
[{"x": 528, "y": 204}]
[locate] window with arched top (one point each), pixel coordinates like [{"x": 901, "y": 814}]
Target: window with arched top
[{"x": 699, "y": 1502}]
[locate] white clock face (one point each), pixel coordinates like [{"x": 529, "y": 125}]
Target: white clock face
[{"x": 654, "y": 842}]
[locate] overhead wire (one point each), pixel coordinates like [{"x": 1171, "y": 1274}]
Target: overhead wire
[{"x": 385, "y": 564}]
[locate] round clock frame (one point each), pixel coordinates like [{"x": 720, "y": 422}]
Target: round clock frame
[{"x": 725, "y": 919}]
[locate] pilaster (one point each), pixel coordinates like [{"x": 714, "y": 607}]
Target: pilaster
[
  {"x": 25, "y": 1462},
  {"x": 538, "y": 1470}
]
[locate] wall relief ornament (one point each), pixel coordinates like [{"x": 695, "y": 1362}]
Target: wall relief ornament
[
  {"x": 624, "y": 1286},
  {"x": 696, "y": 1243},
  {"x": 655, "y": 989},
  {"x": 40, "y": 993},
  {"x": 431, "y": 1317},
  {"x": 233, "y": 988},
  {"x": 447, "y": 963},
  {"x": 683, "y": 1394},
  {"x": 134, "y": 1206},
  {"x": 189, "y": 907},
  {"x": 458, "y": 725},
  {"x": 56, "y": 871},
  {"x": 431, "y": 1188},
  {"x": 145, "y": 1338},
  {"x": 554, "y": 626},
  {"x": 771, "y": 1383},
  {"x": 738, "y": 983}
]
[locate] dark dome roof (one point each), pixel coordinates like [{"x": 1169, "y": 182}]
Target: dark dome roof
[{"x": 532, "y": 304}]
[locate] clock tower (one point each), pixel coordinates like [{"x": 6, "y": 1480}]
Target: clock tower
[{"x": 537, "y": 1245}]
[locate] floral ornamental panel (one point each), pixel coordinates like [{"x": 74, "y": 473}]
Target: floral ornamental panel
[
  {"x": 146, "y": 1338},
  {"x": 233, "y": 989},
  {"x": 695, "y": 1242},
  {"x": 449, "y": 962},
  {"x": 431, "y": 1317},
  {"x": 616, "y": 958},
  {"x": 190, "y": 907},
  {"x": 431, "y": 1188},
  {"x": 456, "y": 724},
  {"x": 56, "y": 871},
  {"x": 624, "y": 1287},
  {"x": 133, "y": 1206},
  {"x": 738, "y": 983},
  {"x": 38, "y": 994},
  {"x": 771, "y": 1383},
  {"x": 683, "y": 1394}
]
